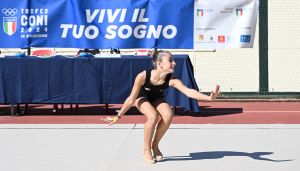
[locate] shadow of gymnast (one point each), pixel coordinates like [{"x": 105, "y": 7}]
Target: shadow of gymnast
[
  {"x": 206, "y": 111},
  {"x": 222, "y": 154}
]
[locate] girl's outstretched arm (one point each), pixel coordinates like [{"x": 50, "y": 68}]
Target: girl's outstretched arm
[
  {"x": 138, "y": 83},
  {"x": 192, "y": 93}
]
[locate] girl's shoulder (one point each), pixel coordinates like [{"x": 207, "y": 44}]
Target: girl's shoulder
[{"x": 141, "y": 77}]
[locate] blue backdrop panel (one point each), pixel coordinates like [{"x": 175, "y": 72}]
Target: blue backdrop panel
[{"x": 97, "y": 23}]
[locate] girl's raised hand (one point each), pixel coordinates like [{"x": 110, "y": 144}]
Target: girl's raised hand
[{"x": 214, "y": 94}]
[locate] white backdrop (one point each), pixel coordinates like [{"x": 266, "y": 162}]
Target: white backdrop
[{"x": 225, "y": 24}]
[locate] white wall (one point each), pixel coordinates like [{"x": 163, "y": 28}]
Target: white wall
[{"x": 284, "y": 45}]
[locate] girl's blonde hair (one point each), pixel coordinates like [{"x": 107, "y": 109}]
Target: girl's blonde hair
[{"x": 157, "y": 56}]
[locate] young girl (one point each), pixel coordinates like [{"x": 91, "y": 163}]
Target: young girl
[{"x": 148, "y": 96}]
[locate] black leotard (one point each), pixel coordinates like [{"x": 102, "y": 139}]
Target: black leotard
[{"x": 153, "y": 92}]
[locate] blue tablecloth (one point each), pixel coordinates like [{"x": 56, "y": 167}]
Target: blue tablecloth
[{"x": 82, "y": 80}]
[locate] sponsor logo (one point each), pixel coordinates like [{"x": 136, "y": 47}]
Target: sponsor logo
[
  {"x": 201, "y": 37},
  {"x": 29, "y": 23},
  {"x": 211, "y": 38},
  {"x": 200, "y": 12},
  {"x": 10, "y": 21},
  {"x": 204, "y": 38},
  {"x": 245, "y": 38},
  {"x": 221, "y": 39},
  {"x": 227, "y": 11},
  {"x": 239, "y": 12}
]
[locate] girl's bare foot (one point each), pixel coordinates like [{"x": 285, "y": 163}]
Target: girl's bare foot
[
  {"x": 156, "y": 153},
  {"x": 148, "y": 156}
]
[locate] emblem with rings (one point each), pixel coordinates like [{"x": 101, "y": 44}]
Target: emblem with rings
[{"x": 9, "y": 11}]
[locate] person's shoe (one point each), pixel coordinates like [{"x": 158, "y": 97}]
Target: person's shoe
[
  {"x": 157, "y": 155},
  {"x": 149, "y": 160}
]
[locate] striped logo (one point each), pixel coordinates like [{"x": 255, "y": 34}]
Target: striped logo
[
  {"x": 10, "y": 25},
  {"x": 239, "y": 12},
  {"x": 200, "y": 12},
  {"x": 9, "y": 22}
]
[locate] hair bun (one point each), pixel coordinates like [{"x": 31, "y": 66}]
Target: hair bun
[{"x": 152, "y": 53}]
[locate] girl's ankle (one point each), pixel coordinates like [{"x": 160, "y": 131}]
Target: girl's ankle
[{"x": 154, "y": 145}]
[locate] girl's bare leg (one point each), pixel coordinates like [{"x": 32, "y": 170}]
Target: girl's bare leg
[
  {"x": 146, "y": 108},
  {"x": 166, "y": 114}
]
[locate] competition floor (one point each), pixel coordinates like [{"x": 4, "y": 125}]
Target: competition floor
[{"x": 230, "y": 136}]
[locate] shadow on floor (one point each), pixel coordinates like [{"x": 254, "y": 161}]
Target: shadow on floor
[
  {"x": 207, "y": 111},
  {"x": 222, "y": 154}
]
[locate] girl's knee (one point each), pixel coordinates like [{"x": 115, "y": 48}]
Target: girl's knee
[
  {"x": 152, "y": 118},
  {"x": 168, "y": 118},
  {"x": 158, "y": 118}
]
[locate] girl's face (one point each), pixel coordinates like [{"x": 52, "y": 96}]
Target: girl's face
[{"x": 167, "y": 63}]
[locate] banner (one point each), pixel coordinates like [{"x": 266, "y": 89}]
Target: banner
[
  {"x": 104, "y": 24},
  {"x": 225, "y": 24}
]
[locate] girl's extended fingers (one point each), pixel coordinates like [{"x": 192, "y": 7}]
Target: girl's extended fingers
[
  {"x": 107, "y": 119},
  {"x": 112, "y": 122},
  {"x": 217, "y": 88}
]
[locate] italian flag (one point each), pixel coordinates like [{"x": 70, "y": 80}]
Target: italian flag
[{"x": 10, "y": 27}]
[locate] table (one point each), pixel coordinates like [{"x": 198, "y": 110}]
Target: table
[{"x": 83, "y": 80}]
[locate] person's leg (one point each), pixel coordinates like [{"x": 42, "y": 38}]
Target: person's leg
[
  {"x": 166, "y": 114},
  {"x": 146, "y": 108}
]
